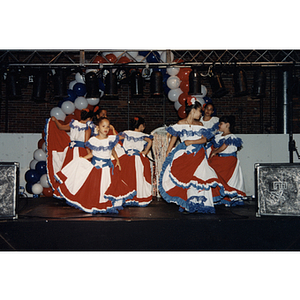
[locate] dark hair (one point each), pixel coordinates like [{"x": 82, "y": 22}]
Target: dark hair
[
  {"x": 85, "y": 114},
  {"x": 188, "y": 108},
  {"x": 96, "y": 111},
  {"x": 101, "y": 119},
  {"x": 230, "y": 120},
  {"x": 209, "y": 103},
  {"x": 136, "y": 122}
]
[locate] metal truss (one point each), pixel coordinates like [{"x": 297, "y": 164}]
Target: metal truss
[{"x": 184, "y": 58}]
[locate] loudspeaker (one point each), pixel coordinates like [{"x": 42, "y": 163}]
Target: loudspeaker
[
  {"x": 9, "y": 187},
  {"x": 277, "y": 189}
]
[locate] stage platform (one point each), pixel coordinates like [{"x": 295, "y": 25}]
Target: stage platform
[{"x": 49, "y": 224}]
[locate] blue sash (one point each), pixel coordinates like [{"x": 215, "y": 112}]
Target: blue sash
[
  {"x": 105, "y": 163},
  {"x": 227, "y": 154},
  {"x": 131, "y": 152},
  {"x": 73, "y": 144}
]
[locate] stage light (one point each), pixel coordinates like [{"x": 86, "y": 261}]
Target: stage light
[
  {"x": 240, "y": 82},
  {"x": 136, "y": 84},
  {"x": 92, "y": 86},
  {"x": 259, "y": 84},
  {"x": 39, "y": 85},
  {"x": 194, "y": 83},
  {"x": 13, "y": 87},
  {"x": 60, "y": 83},
  {"x": 156, "y": 84},
  {"x": 111, "y": 85},
  {"x": 217, "y": 86}
]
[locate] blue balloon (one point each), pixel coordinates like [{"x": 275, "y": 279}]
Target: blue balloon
[
  {"x": 40, "y": 167},
  {"x": 166, "y": 89},
  {"x": 207, "y": 99},
  {"x": 79, "y": 89},
  {"x": 165, "y": 77},
  {"x": 61, "y": 102},
  {"x": 32, "y": 176},
  {"x": 28, "y": 187},
  {"x": 153, "y": 57},
  {"x": 101, "y": 85},
  {"x": 143, "y": 53},
  {"x": 71, "y": 95}
]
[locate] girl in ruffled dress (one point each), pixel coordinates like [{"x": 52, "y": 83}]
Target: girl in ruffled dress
[
  {"x": 136, "y": 171},
  {"x": 95, "y": 186},
  {"x": 186, "y": 178},
  {"x": 64, "y": 142},
  {"x": 210, "y": 122},
  {"x": 101, "y": 113},
  {"x": 223, "y": 159}
]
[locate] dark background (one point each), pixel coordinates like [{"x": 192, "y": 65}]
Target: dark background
[{"x": 253, "y": 115}]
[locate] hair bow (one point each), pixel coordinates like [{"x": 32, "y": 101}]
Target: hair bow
[{"x": 191, "y": 100}]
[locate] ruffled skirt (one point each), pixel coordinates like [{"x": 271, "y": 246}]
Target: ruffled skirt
[
  {"x": 59, "y": 154},
  {"x": 136, "y": 172},
  {"x": 187, "y": 180},
  {"x": 91, "y": 189},
  {"x": 229, "y": 171}
]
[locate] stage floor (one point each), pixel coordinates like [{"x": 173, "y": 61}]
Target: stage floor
[{"x": 50, "y": 224}]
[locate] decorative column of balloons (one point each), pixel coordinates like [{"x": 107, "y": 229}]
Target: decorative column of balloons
[
  {"x": 69, "y": 108},
  {"x": 36, "y": 176},
  {"x": 178, "y": 84}
]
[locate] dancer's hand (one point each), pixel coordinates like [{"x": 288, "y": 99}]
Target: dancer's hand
[{"x": 118, "y": 165}]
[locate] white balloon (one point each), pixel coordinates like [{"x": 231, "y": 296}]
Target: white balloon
[
  {"x": 203, "y": 90},
  {"x": 177, "y": 105},
  {"x": 32, "y": 164},
  {"x": 91, "y": 70},
  {"x": 93, "y": 101},
  {"x": 132, "y": 54},
  {"x": 79, "y": 78},
  {"x": 174, "y": 94},
  {"x": 173, "y": 82},
  {"x": 81, "y": 103},
  {"x": 37, "y": 189},
  {"x": 39, "y": 155},
  {"x": 118, "y": 54},
  {"x": 105, "y": 53},
  {"x": 44, "y": 181},
  {"x": 57, "y": 113},
  {"x": 44, "y": 147},
  {"x": 173, "y": 71},
  {"x": 200, "y": 99},
  {"x": 68, "y": 107},
  {"x": 71, "y": 84},
  {"x": 163, "y": 56},
  {"x": 140, "y": 58}
]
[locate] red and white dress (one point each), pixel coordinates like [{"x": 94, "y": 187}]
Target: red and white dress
[
  {"x": 227, "y": 166},
  {"x": 96, "y": 186},
  {"x": 136, "y": 171},
  {"x": 186, "y": 177},
  {"x": 212, "y": 123},
  {"x": 62, "y": 147},
  {"x": 213, "y": 126},
  {"x": 118, "y": 148}
]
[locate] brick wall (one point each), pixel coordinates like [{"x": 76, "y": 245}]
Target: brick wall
[{"x": 253, "y": 116}]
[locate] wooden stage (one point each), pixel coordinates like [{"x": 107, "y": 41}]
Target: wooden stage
[{"x": 49, "y": 224}]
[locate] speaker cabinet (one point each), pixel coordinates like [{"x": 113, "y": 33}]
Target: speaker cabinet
[
  {"x": 277, "y": 189},
  {"x": 9, "y": 187}
]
